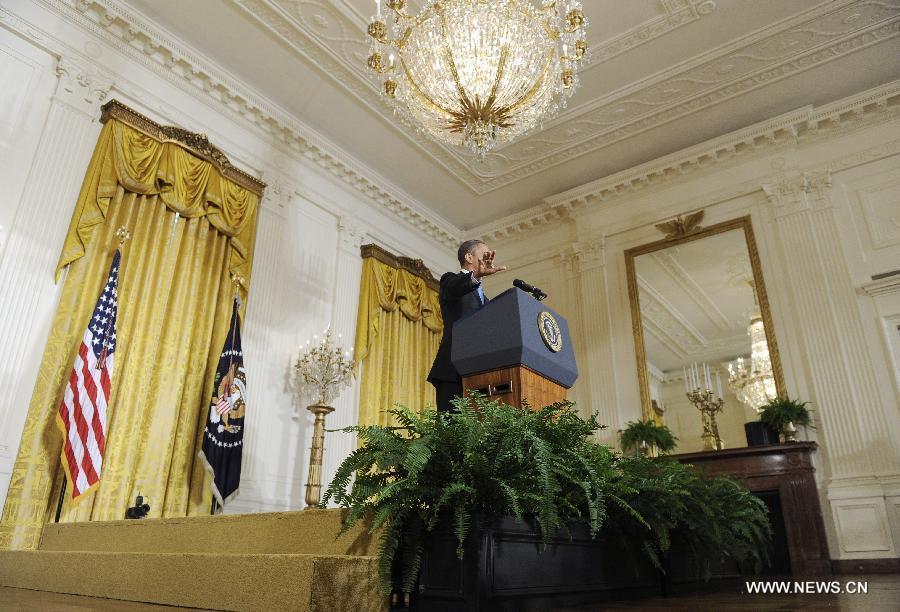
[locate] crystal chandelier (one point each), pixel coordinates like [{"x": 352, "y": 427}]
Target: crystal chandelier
[
  {"x": 475, "y": 73},
  {"x": 753, "y": 385}
]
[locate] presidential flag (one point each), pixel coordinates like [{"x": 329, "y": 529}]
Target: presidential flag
[
  {"x": 224, "y": 436},
  {"x": 82, "y": 412}
]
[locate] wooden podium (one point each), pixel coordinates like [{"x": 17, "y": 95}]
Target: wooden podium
[{"x": 516, "y": 350}]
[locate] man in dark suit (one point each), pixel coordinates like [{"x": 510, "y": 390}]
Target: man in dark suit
[{"x": 461, "y": 295}]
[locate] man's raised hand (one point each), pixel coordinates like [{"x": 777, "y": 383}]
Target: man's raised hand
[{"x": 486, "y": 265}]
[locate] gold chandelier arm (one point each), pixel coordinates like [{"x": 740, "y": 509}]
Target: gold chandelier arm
[
  {"x": 531, "y": 93},
  {"x": 452, "y": 64},
  {"x": 501, "y": 67},
  {"x": 418, "y": 91}
]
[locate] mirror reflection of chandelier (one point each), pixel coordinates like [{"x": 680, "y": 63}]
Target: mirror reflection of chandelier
[
  {"x": 476, "y": 73},
  {"x": 753, "y": 383}
]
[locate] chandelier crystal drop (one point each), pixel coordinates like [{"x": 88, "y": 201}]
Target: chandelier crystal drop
[{"x": 476, "y": 73}]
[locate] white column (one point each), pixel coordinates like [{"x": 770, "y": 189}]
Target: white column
[
  {"x": 28, "y": 294},
  {"x": 348, "y": 271},
  {"x": 848, "y": 411}
]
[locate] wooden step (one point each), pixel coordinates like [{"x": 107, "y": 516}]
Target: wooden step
[
  {"x": 309, "y": 532},
  {"x": 317, "y": 583}
]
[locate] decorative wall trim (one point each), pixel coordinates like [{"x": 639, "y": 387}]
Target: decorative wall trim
[
  {"x": 803, "y": 126},
  {"x": 198, "y": 144},
  {"x": 414, "y": 266},
  {"x": 80, "y": 86},
  {"x": 118, "y": 26},
  {"x": 883, "y": 286}
]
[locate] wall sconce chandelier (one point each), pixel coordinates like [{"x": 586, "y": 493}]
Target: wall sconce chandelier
[{"x": 476, "y": 73}]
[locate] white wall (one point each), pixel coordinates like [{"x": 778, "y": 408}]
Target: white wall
[
  {"x": 822, "y": 187},
  {"x": 56, "y": 68}
]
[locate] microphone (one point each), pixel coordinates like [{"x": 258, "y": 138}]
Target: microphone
[
  {"x": 534, "y": 291},
  {"x": 523, "y": 285}
]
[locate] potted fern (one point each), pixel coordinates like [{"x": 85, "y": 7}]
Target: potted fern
[
  {"x": 784, "y": 414},
  {"x": 495, "y": 490},
  {"x": 647, "y": 437}
]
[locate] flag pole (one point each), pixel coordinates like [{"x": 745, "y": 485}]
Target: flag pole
[{"x": 62, "y": 494}]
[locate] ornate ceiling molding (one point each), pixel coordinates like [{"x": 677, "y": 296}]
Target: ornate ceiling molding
[
  {"x": 331, "y": 38},
  {"x": 678, "y": 13},
  {"x": 762, "y": 59},
  {"x": 122, "y": 29},
  {"x": 803, "y": 126}
]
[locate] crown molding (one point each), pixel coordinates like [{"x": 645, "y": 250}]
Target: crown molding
[
  {"x": 800, "y": 127},
  {"x": 128, "y": 32}
]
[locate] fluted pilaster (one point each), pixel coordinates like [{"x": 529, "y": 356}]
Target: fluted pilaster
[
  {"x": 596, "y": 363},
  {"x": 848, "y": 407},
  {"x": 27, "y": 290},
  {"x": 348, "y": 271}
]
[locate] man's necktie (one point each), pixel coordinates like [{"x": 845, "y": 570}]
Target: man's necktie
[{"x": 481, "y": 294}]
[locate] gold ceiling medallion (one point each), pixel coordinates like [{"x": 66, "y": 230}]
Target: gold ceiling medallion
[
  {"x": 478, "y": 73},
  {"x": 682, "y": 225}
]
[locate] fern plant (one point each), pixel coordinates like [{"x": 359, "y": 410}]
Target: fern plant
[
  {"x": 648, "y": 432},
  {"x": 492, "y": 460},
  {"x": 681, "y": 508},
  {"x": 783, "y": 410}
]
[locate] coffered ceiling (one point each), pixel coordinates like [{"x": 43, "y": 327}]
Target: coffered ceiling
[{"x": 663, "y": 75}]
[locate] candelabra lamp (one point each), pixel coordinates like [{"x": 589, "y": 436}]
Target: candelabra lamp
[
  {"x": 706, "y": 402},
  {"x": 322, "y": 372}
]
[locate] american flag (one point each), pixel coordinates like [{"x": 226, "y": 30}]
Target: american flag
[{"x": 82, "y": 412}]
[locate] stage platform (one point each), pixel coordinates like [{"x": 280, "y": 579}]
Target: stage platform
[{"x": 272, "y": 561}]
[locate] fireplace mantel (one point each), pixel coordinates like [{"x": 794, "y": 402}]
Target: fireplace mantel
[{"x": 788, "y": 469}]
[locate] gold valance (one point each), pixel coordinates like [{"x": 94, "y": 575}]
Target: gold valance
[
  {"x": 389, "y": 288},
  {"x": 189, "y": 175}
]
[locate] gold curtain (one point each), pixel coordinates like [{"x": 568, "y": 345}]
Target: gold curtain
[
  {"x": 398, "y": 331},
  {"x": 192, "y": 229}
]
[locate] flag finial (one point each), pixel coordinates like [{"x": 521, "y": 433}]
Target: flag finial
[{"x": 123, "y": 235}]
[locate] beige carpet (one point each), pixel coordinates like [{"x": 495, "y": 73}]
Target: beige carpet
[{"x": 278, "y": 561}]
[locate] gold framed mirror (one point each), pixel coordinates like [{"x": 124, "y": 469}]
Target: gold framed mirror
[{"x": 699, "y": 304}]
